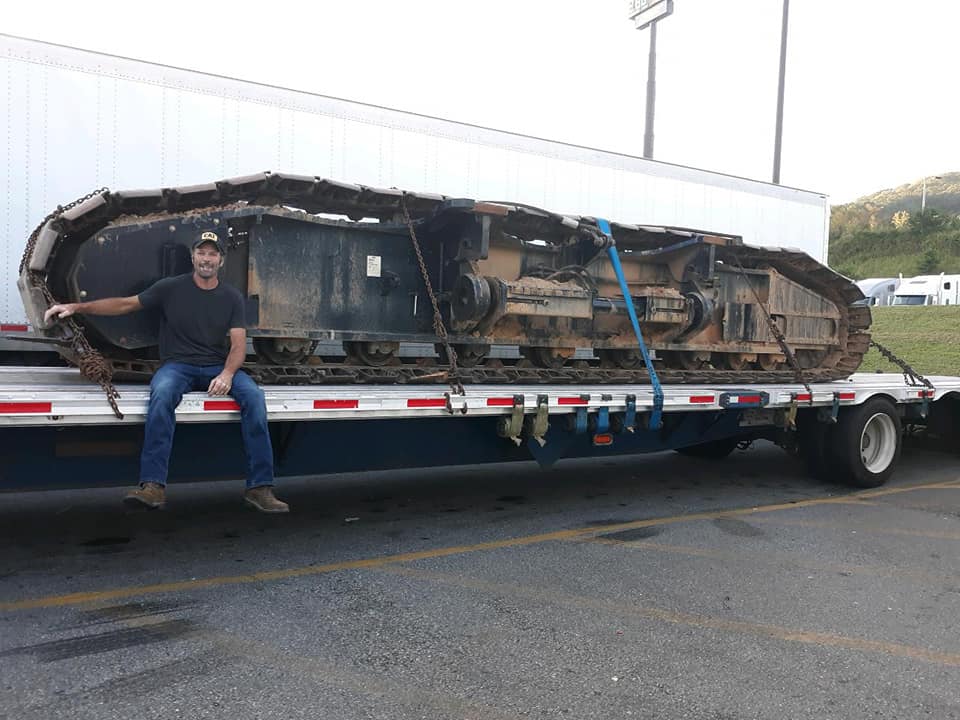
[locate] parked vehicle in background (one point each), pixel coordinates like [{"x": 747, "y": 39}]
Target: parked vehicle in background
[
  {"x": 939, "y": 289},
  {"x": 878, "y": 291}
]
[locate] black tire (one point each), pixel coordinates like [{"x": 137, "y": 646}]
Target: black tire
[
  {"x": 713, "y": 450},
  {"x": 815, "y": 445},
  {"x": 866, "y": 443}
]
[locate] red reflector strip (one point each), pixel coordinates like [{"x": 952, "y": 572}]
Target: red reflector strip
[
  {"x": 335, "y": 404},
  {"x": 847, "y": 396},
  {"x": 427, "y": 403},
  {"x": 500, "y": 402},
  {"x": 571, "y": 401},
  {"x": 701, "y": 399},
  {"x": 749, "y": 399},
  {"x": 5, "y": 327},
  {"x": 220, "y": 405},
  {"x": 804, "y": 397},
  {"x": 603, "y": 439},
  {"x": 25, "y": 407}
]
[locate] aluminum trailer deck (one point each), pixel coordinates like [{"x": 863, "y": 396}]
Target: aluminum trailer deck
[{"x": 57, "y": 430}]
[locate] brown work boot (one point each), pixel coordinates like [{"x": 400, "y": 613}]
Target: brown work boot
[
  {"x": 151, "y": 495},
  {"x": 262, "y": 499}
]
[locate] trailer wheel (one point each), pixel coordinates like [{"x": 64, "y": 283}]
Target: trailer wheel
[
  {"x": 713, "y": 450},
  {"x": 867, "y": 443}
]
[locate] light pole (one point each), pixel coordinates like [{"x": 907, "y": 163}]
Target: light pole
[
  {"x": 651, "y": 93},
  {"x": 783, "y": 72},
  {"x": 923, "y": 194},
  {"x": 644, "y": 13}
]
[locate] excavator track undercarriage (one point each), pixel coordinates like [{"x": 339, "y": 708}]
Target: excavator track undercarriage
[{"x": 321, "y": 261}]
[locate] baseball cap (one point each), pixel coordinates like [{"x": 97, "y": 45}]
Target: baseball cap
[{"x": 208, "y": 236}]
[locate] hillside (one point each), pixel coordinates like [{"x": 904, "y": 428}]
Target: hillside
[
  {"x": 883, "y": 234},
  {"x": 925, "y": 337}
]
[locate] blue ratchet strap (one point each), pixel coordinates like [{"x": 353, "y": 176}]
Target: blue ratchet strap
[
  {"x": 580, "y": 423},
  {"x": 603, "y": 420},
  {"x": 655, "y": 417}
]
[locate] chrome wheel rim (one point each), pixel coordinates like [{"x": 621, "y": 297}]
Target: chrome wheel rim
[{"x": 878, "y": 443}]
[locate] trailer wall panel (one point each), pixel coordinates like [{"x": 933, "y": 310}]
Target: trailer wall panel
[{"x": 77, "y": 120}]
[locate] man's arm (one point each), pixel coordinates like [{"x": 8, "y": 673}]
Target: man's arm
[
  {"x": 105, "y": 306},
  {"x": 222, "y": 383}
]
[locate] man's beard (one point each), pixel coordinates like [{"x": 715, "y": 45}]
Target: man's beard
[{"x": 206, "y": 270}]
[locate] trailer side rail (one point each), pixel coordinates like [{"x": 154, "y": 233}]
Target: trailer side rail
[{"x": 60, "y": 397}]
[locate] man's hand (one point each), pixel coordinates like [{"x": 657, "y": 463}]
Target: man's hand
[
  {"x": 221, "y": 384},
  {"x": 61, "y": 311}
]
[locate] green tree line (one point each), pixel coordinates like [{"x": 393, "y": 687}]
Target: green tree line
[{"x": 886, "y": 233}]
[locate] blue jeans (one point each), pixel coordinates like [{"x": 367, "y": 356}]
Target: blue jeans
[{"x": 167, "y": 387}]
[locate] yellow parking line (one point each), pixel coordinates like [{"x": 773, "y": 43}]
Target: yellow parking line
[
  {"x": 861, "y": 527},
  {"x": 946, "y": 485},
  {"x": 772, "y": 559},
  {"x": 776, "y": 632},
  {"x": 375, "y": 562}
]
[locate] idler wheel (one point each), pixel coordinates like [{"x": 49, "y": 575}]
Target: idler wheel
[
  {"x": 376, "y": 354},
  {"x": 470, "y": 301},
  {"x": 283, "y": 351}
]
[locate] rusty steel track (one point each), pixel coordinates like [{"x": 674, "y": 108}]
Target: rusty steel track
[
  {"x": 496, "y": 373},
  {"x": 65, "y": 229}
]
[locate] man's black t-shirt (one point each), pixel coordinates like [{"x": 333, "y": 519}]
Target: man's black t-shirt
[{"x": 194, "y": 323}]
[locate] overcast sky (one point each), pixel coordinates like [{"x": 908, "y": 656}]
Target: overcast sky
[{"x": 872, "y": 96}]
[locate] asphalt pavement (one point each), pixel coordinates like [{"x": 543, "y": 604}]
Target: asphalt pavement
[{"x": 650, "y": 587}]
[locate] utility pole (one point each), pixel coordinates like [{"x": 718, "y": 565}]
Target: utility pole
[
  {"x": 651, "y": 93},
  {"x": 646, "y": 13},
  {"x": 783, "y": 71}
]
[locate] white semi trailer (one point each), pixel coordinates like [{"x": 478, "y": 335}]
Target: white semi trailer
[{"x": 77, "y": 120}]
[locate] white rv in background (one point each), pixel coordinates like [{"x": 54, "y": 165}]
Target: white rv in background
[
  {"x": 878, "y": 291},
  {"x": 939, "y": 289}
]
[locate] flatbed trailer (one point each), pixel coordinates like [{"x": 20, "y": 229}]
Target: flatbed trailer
[{"x": 57, "y": 429}]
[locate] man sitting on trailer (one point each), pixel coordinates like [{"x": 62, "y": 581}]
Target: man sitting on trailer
[{"x": 197, "y": 313}]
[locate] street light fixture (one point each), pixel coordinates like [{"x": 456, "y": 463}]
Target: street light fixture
[{"x": 646, "y": 13}]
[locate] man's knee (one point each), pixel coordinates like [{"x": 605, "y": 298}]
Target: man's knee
[
  {"x": 166, "y": 388},
  {"x": 247, "y": 393},
  {"x": 252, "y": 397}
]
